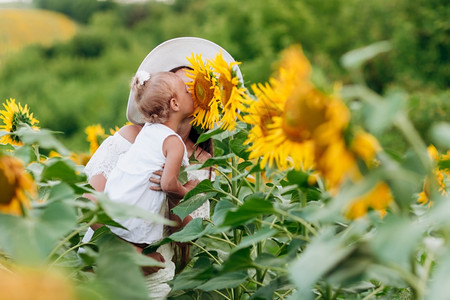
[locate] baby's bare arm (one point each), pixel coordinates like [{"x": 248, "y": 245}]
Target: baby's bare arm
[{"x": 173, "y": 149}]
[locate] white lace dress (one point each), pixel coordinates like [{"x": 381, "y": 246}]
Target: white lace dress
[{"x": 103, "y": 162}]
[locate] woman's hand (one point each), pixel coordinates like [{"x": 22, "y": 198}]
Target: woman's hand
[
  {"x": 191, "y": 184},
  {"x": 157, "y": 179},
  {"x": 156, "y": 256}
]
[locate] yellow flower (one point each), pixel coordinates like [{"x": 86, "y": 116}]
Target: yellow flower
[
  {"x": 80, "y": 158},
  {"x": 34, "y": 284},
  {"x": 202, "y": 88},
  {"x": 365, "y": 146},
  {"x": 378, "y": 198},
  {"x": 260, "y": 115},
  {"x": 14, "y": 115},
  {"x": 16, "y": 185},
  {"x": 336, "y": 164},
  {"x": 228, "y": 90},
  {"x": 439, "y": 177},
  {"x": 94, "y": 133}
]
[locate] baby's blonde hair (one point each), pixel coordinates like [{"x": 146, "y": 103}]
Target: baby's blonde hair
[{"x": 153, "y": 95}]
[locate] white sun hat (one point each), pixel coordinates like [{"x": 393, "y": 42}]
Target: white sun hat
[{"x": 172, "y": 54}]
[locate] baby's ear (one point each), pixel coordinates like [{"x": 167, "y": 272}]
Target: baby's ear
[{"x": 174, "y": 104}]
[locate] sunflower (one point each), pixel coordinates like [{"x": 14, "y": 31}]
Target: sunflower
[
  {"x": 229, "y": 91},
  {"x": 439, "y": 177},
  {"x": 94, "y": 134},
  {"x": 260, "y": 115},
  {"x": 16, "y": 186},
  {"x": 14, "y": 115},
  {"x": 39, "y": 284},
  {"x": 378, "y": 198},
  {"x": 202, "y": 88},
  {"x": 365, "y": 146}
]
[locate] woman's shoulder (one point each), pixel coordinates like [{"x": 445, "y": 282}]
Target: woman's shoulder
[{"x": 129, "y": 132}]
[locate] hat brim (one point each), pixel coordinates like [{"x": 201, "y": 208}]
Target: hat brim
[{"x": 173, "y": 54}]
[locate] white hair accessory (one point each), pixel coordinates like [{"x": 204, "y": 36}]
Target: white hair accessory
[{"x": 142, "y": 76}]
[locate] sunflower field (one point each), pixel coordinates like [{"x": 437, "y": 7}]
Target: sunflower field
[{"x": 306, "y": 203}]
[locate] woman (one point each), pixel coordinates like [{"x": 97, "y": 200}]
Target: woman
[{"x": 168, "y": 56}]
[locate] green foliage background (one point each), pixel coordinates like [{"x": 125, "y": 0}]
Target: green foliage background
[{"x": 85, "y": 81}]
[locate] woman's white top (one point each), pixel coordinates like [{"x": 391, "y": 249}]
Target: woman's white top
[{"x": 129, "y": 183}]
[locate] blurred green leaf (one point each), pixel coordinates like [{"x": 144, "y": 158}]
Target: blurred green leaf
[
  {"x": 61, "y": 169},
  {"x": 118, "y": 275},
  {"x": 30, "y": 240},
  {"x": 379, "y": 116},
  {"x": 323, "y": 253},
  {"x": 395, "y": 240},
  {"x": 121, "y": 211},
  {"x": 440, "y": 134},
  {"x": 354, "y": 59},
  {"x": 61, "y": 191},
  {"x": 224, "y": 281},
  {"x": 43, "y": 137}
]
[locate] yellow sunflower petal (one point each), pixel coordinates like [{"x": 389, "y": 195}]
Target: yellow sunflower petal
[
  {"x": 16, "y": 186},
  {"x": 203, "y": 89}
]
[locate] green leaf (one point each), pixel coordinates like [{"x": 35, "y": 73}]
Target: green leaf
[
  {"x": 438, "y": 286},
  {"x": 122, "y": 211},
  {"x": 299, "y": 178},
  {"x": 43, "y": 137},
  {"x": 356, "y": 58},
  {"x": 203, "y": 187},
  {"x": 379, "y": 116},
  {"x": 238, "y": 260},
  {"x": 26, "y": 154},
  {"x": 254, "y": 206},
  {"x": 191, "y": 278},
  {"x": 395, "y": 240},
  {"x": 238, "y": 147},
  {"x": 207, "y": 135},
  {"x": 193, "y": 230},
  {"x": 61, "y": 191},
  {"x": 118, "y": 275},
  {"x": 31, "y": 239},
  {"x": 440, "y": 134},
  {"x": 224, "y": 281},
  {"x": 185, "y": 207},
  {"x": 321, "y": 255},
  {"x": 220, "y": 211},
  {"x": 262, "y": 234},
  {"x": 61, "y": 169}
]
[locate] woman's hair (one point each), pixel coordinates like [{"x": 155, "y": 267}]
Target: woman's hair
[{"x": 153, "y": 95}]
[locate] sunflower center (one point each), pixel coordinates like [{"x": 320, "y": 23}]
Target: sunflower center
[
  {"x": 7, "y": 188},
  {"x": 203, "y": 93},
  {"x": 226, "y": 88},
  {"x": 301, "y": 118}
]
